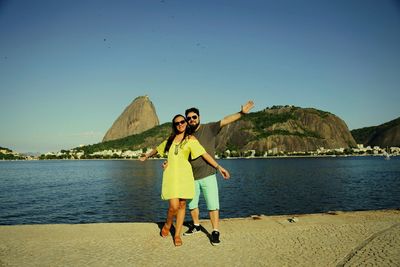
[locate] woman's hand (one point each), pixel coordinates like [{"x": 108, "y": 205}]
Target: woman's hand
[{"x": 143, "y": 157}]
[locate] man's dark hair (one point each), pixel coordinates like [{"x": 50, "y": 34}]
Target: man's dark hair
[{"x": 195, "y": 110}]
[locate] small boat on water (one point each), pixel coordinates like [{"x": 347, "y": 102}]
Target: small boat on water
[{"x": 386, "y": 155}]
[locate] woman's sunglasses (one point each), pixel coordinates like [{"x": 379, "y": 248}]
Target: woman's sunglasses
[
  {"x": 193, "y": 117},
  {"x": 179, "y": 122}
]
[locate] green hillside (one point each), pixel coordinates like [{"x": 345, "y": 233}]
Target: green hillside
[
  {"x": 148, "y": 138},
  {"x": 262, "y": 120}
]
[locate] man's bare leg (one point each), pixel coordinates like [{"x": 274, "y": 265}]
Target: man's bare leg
[
  {"x": 214, "y": 217},
  {"x": 195, "y": 215}
]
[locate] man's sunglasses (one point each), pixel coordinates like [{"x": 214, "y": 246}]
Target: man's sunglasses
[
  {"x": 179, "y": 122},
  {"x": 193, "y": 117}
]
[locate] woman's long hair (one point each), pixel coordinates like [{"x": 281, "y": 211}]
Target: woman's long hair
[{"x": 175, "y": 131}]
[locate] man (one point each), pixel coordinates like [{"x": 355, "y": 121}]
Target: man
[{"x": 204, "y": 174}]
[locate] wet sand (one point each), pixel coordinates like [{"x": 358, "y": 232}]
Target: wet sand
[{"x": 365, "y": 238}]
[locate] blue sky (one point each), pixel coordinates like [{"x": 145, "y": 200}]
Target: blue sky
[{"x": 69, "y": 68}]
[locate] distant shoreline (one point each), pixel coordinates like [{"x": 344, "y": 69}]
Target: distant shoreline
[{"x": 231, "y": 158}]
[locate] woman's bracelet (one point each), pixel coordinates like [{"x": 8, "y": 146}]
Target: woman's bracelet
[{"x": 216, "y": 167}]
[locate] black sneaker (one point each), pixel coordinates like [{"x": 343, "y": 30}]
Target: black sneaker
[
  {"x": 215, "y": 238},
  {"x": 193, "y": 229}
]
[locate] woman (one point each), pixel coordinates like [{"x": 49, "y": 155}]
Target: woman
[{"x": 178, "y": 181}]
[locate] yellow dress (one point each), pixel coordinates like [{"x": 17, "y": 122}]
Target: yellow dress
[{"x": 178, "y": 180}]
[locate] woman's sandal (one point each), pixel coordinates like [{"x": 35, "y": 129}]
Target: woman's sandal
[
  {"x": 177, "y": 241},
  {"x": 164, "y": 231}
]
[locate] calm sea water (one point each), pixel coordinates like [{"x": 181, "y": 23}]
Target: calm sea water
[{"x": 42, "y": 192}]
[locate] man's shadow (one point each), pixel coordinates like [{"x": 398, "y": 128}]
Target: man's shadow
[{"x": 202, "y": 229}]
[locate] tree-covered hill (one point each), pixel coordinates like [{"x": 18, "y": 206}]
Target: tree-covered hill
[
  {"x": 384, "y": 135},
  {"x": 8, "y": 154}
]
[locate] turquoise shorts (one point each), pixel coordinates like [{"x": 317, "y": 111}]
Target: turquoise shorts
[{"x": 209, "y": 187}]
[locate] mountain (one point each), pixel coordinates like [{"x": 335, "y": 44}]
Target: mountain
[
  {"x": 280, "y": 128},
  {"x": 384, "y": 135},
  {"x": 138, "y": 117},
  {"x": 286, "y": 128}
]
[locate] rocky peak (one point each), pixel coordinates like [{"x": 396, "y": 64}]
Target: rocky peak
[{"x": 138, "y": 117}]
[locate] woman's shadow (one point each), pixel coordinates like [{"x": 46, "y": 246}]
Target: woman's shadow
[
  {"x": 171, "y": 230},
  {"x": 186, "y": 224}
]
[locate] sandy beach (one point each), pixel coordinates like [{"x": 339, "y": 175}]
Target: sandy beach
[{"x": 365, "y": 238}]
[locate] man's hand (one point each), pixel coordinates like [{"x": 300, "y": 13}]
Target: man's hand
[
  {"x": 234, "y": 117},
  {"x": 247, "y": 107},
  {"x": 224, "y": 173}
]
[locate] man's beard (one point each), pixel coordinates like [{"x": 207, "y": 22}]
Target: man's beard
[{"x": 193, "y": 127}]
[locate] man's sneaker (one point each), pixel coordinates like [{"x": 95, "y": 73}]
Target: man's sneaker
[
  {"x": 215, "y": 238},
  {"x": 193, "y": 229}
]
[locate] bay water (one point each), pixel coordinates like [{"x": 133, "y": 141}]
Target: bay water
[{"x": 93, "y": 191}]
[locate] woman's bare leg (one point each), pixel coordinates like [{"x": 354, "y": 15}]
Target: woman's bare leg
[
  {"x": 180, "y": 217},
  {"x": 172, "y": 211}
]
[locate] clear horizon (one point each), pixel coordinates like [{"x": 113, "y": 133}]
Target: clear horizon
[{"x": 68, "y": 69}]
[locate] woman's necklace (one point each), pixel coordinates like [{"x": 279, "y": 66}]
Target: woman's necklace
[{"x": 178, "y": 142}]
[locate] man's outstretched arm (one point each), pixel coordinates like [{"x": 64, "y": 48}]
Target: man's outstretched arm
[{"x": 234, "y": 117}]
